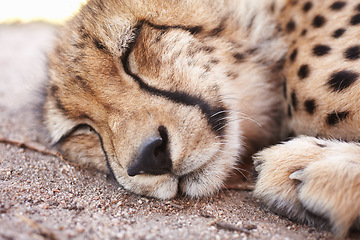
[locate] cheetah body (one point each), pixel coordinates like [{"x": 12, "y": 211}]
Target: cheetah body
[
  {"x": 176, "y": 95},
  {"x": 312, "y": 178}
]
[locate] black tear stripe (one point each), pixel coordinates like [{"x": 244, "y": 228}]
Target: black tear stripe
[
  {"x": 111, "y": 170},
  {"x": 216, "y": 116}
]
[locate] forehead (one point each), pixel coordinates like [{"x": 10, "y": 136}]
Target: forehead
[
  {"x": 143, "y": 62},
  {"x": 176, "y": 55}
]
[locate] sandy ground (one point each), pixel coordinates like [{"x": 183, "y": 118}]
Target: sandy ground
[{"x": 43, "y": 197}]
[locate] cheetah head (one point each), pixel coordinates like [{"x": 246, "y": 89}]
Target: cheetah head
[{"x": 143, "y": 95}]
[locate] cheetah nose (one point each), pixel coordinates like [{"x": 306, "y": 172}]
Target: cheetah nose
[{"x": 154, "y": 157}]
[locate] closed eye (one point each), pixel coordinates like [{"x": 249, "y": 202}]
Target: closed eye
[
  {"x": 85, "y": 129},
  {"x": 215, "y": 115},
  {"x": 81, "y": 129}
]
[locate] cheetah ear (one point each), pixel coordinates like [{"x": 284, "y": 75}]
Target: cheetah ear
[{"x": 57, "y": 123}]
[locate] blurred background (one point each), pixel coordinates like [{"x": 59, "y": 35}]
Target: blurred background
[
  {"x": 54, "y": 11},
  {"x": 27, "y": 32}
]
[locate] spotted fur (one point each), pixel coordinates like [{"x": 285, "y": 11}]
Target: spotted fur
[
  {"x": 312, "y": 179},
  {"x": 174, "y": 96}
]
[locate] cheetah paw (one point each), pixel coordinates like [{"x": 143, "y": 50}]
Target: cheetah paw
[{"x": 313, "y": 181}]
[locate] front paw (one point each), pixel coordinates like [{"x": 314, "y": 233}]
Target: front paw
[
  {"x": 311, "y": 180},
  {"x": 274, "y": 186}
]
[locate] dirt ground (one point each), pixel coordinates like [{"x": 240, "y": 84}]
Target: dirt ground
[{"x": 43, "y": 197}]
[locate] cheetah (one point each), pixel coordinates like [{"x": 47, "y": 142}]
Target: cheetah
[{"x": 173, "y": 97}]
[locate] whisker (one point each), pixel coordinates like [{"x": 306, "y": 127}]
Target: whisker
[
  {"x": 242, "y": 174},
  {"x": 243, "y": 116},
  {"x": 220, "y": 126},
  {"x": 220, "y": 112},
  {"x": 242, "y": 169},
  {"x": 228, "y": 96},
  {"x": 252, "y": 120}
]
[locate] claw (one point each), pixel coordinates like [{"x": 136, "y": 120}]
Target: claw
[
  {"x": 258, "y": 168},
  {"x": 298, "y": 175},
  {"x": 258, "y": 163}
]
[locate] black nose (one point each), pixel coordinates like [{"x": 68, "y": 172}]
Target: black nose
[{"x": 154, "y": 157}]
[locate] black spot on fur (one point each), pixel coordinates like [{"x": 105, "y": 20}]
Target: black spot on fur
[
  {"x": 294, "y": 101},
  {"x": 214, "y": 61},
  {"x": 289, "y": 111},
  {"x": 79, "y": 45},
  {"x": 251, "y": 22},
  {"x": 251, "y": 51},
  {"x": 78, "y": 78},
  {"x": 83, "y": 32},
  {"x": 357, "y": 7},
  {"x": 318, "y": 21},
  {"x": 216, "y": 31},
  {"x": 303, "y": 71},
  {"x": 53, "y": 90},
  {"x": 192, "y": 51},
  {"x": 239, "y": 57},
  {"x": 304, "y": 32},
  {"x": 208, "y": 49},
  {"x": 61, "y": 106},
  {"x": 232, "y": 75},
  {"x": 310, "y": 106},
  {"x": 290, "y": 26},
  {"x": 321, "y": 50},
  {"x": 100, "y": 5},
  {"x": 355, "y": 20},
  {"x": 338, "y": 33},
  {"x": 341, "y": 80},
  {"x": 77, "y": 59},
  {"x": 336, "y": 6},
  {"x": 83, "y": 84},
  {"x": 321, "y": 145},
  {"x": 352, "y": 53},
  {"x": 272, "y": 7},
  {"x": 335, "y": 117},
  {"x": 285, "y": 88},
  {"x": 307, "y": 6},
  {"x": 99, "y": 45},
  {"x": 207, "y": 68},
  {"x": 159, "y": 37},
  {"x": 293, "y": 55}
]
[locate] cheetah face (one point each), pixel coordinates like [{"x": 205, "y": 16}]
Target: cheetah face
[{"x": 145, "y": 102}]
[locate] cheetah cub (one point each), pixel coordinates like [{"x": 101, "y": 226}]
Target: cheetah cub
[{"x": 173, "y": 96}]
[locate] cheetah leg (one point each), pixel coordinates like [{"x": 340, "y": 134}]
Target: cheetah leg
[{"x": 312, "y": 180}]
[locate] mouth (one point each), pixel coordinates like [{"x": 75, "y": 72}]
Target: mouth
[
  {"x": 168, "y": 162},
  {"x": 166, "y": 183}
]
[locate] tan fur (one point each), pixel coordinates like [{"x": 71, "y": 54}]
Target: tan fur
[
  {"x": 89, "y": 86},
  {"x": 309, "y": 176},
  {"x": 211, "y": 74},
  {"x": 321, "y": 67},
  {"x": 312, "y": 179}
]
